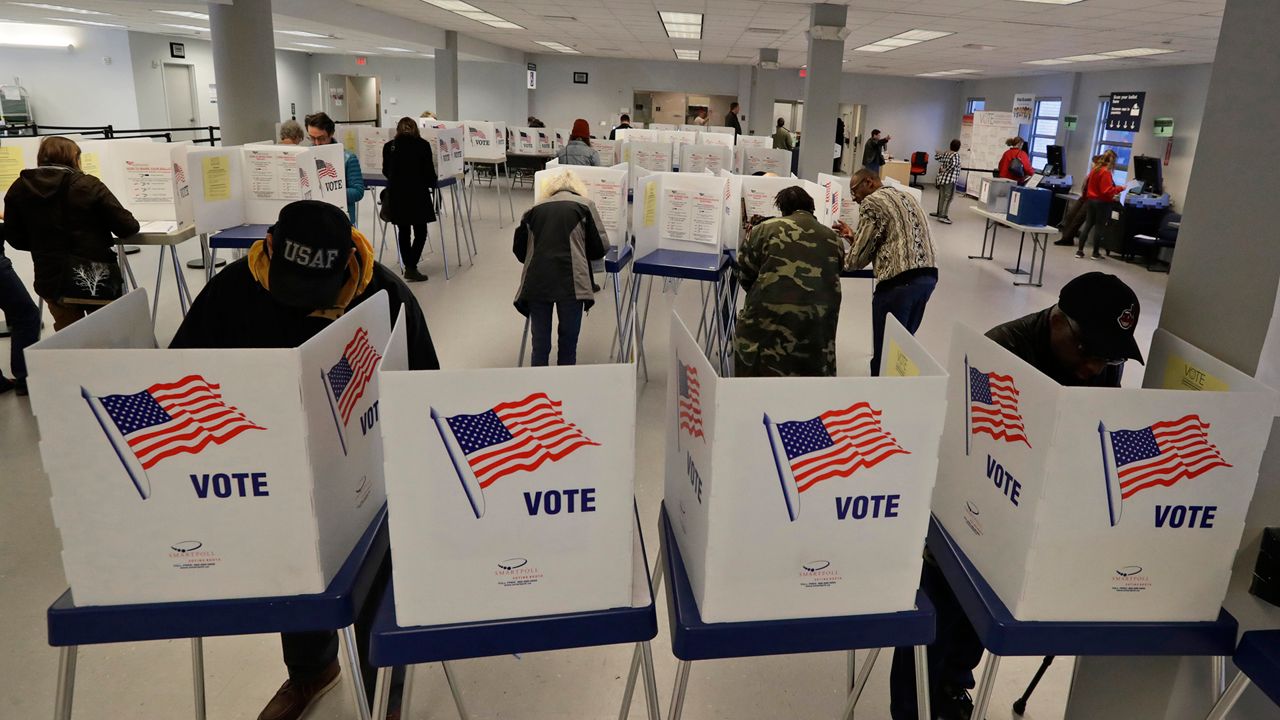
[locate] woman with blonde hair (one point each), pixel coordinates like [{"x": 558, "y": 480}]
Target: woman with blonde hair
[
  {"x": 557, "y": 240},
  {"x": 1100, "y": 190}
]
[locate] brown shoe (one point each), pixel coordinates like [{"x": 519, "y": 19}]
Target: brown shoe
[{"x": 295, "y": 697}]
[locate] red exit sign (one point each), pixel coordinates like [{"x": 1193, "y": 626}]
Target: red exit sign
[{"x": 361, "y": 60}]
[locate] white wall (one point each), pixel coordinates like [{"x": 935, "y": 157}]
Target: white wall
[
  {"x": 293, "y": 81},
  {"x": 410, "y": 81},
  {"x": 494, "y": 91},
  {"x": 150, "y": 53},
  {"x": 79, "y": 87}
]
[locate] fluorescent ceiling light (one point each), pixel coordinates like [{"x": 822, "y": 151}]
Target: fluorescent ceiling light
[
  {"x": 471, "y": 12},
  {"x": 1090, "y": 57},
  {"x": 1053, "y": 2},
  {"x": 944, "y": 73},
  {"x": 185, "y": 14},
  {"x": 306, "y": 34},
  {"x": 479, "y": 15},
  {"x": 314, "y": 45},
  {"x": 874, "y": 48},
  {"x": 196, "y": 28},
  {"x": 453, "y": 5},
  {"x": 395, "y": 49},
  {"x": 24, "y": 35},
  {"x": 1138, "y": 52},
  {"x": 683, "y": 35},
  {"x": 679, "y": 17},
  {"x": 681, "y": 25},
  {"x": 84, "y": 22},
  {"x": 558, "y": 47},
  {"x": 1051, "y": 61},
  {"x": 59, "y": 8},
  {"x": 922, "y": 35},
  {"x": 910, "y": 37},
  {"x": 688, "y": 54},
  {"x": 505, "y": 25}
]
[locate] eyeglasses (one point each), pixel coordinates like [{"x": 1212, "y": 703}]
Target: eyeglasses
[{"x": 1088, "y": 356}]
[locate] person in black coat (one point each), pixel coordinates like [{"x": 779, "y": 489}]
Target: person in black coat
[
  {"x": 411, "y": 183},
  {"x": 835, "y": 163}
]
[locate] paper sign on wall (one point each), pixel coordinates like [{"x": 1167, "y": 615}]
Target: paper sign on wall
[
  {"x": 1023, "y": 108},
  {"x": 216, "y": 172}
]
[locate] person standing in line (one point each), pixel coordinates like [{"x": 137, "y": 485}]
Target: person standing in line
[
  {"x": 1100, "y": 191},
  {"x": 321, "y": 128},
  {"x": 23, "y": 318},
  {"x": 893, "y": 236},
  {"x": 624, "y": 123},
  {"x": 731, "y": 120},
  {"x": 66, "y": 220},
  {"x": 790, "y": 269},
  {"x": 557, "y": 240},
  {"x": 1015, "y": 164},
  {"x": 945, "y": 179},
  {"x": 782, "y": 139},
  {"x": 291, "y": 133},
  {"x": 873, "y": 157},
  {"x": 411, "y": 183},
  {"x": 578, "y": 150},
  {"x": 839, "y": 148}
]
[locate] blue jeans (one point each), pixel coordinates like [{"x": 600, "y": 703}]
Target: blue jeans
[
  {"x": 906, "y": 303},
  {"x": 569, "y": 313},
  {"x": 20, "y": 313}
]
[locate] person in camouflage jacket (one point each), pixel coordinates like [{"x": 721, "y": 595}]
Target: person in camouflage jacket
[{"x": 790, "y": 269}]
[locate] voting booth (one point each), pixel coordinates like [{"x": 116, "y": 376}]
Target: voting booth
[
  {"x": 486, "y": 141},
  {"x": 606, "y": 187},
  {"x": 236, "y": 185},
  {"x": 764, "y": 142},
  {"x": 679, "y": 211},
  {"x": 647, "y": 157},
  {"x": 717, "y": 138},
  {"x": 802, "y": 497},
  {"x": 510, "y": 491},
  {"x": 754, "y": 196},
  {"x": 639, "y": 135},
  {"x": 1101, "y": 504},
  {"x": 608, "y": 150},
  {"x": 447, "y": 150},
  {"x": 759, "y": 159},
  {"x": 369, "y": 142},
  {"x": 838, "y": 199},
  {"x": 207, "y": 474},
  {"x": 697, "y": 157}
]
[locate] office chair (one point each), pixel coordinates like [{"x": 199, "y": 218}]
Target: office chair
[{"x": 919, "y": 166}]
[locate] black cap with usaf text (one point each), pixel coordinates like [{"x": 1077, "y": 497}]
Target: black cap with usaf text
[
  {"x": 310, "y": 244},
  {"x": 1106, "y": 310}
]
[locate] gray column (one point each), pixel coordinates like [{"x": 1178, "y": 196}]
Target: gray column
[
  {"x": 822, "y": 88},
  {"x": 1220, "y": 297},
  {"x": 447, "y": 77},
  {"x": 244, "y": 67},
  {"x": 760, "y": 112}
]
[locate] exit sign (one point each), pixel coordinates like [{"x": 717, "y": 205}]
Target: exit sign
[{"x": 362, "y": 60}]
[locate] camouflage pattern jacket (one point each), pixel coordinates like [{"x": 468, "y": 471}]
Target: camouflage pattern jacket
[{"x": 790, "y": 269}]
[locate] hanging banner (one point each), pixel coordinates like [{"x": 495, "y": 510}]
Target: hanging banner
[
  {"x": 1024, "y": 106},
  {"x": 1125, "y": 111}
]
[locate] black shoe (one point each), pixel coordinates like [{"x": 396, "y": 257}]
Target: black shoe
[
  {"x": 412, "y": 275},
  {"x": 1096, "y": 256},
  {"x": 954, "y": 707},
  {"x": 1063, "y": 242},
  {"x": 944, "y": 220},
  {"x": 20, "y": 387},
  {"x": 6, "y": 384},
  {"x": 934, "y": 215}
]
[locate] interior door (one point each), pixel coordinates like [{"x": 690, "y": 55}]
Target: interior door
[{"x": 180, "y": 97}]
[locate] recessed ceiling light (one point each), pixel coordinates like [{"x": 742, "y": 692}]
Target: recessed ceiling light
[
  {"x": 1051, "y": 61},
  {"x": 688, "y": 54},
  {"x": 1088, "y": 57},
  {"x": 195, "y": 28},
  {"x": 503, "y": 24},
  {"x": 478, "y": 15},
  {"x": 944, "y": 73},
  {"x": 59, "y": 8},
  {"x": 84, "y": 22},
  {"x": 684, "y": 26},
  {"x": 1138, "y": 52},
  {"x": 922, "y": 35},
  {"x": 471, "y": 12},
  {"x": 452, "y": 5},
  {"x": 558, "y": 47},
  {"x": 874, "y": 48},
  {"x": 314, "y": 45},
  {"x": 976, "y": 46},
  {"x": 395, "y": 49},
  {"x": 185, "y": 14},
  {"x": 306, "y": 34},
  {"x": 765, "y": 31},
  {"x": 1053, "y": 2},
  {"x": 910, "y": 37},
  {"x": 680, "y": 17}
]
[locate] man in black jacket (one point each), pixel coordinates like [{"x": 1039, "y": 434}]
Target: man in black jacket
[
  {"x": 311, "y": 268},
  {"x": 624, "y": 123},
  {"x": 731, "y": 120}
]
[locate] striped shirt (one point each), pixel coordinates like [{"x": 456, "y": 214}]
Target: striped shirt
[{"x": 892, "y": 235}]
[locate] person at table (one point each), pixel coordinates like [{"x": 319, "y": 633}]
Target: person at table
[
  {"x": 789, "y": 267},
  {"x": 624, "y": 123},
  {"x": 291, "y": 133},
  {"x": 69, "y": 222},
  {"x": 578, "y": 150},
  {"x": 23, "y": 318},
  {"x": 1082, "y": 341},
  {"x": 1015, "y": 164},
  {"x": 893, "y": 237},
  {"x": 873, "y": 157},
  {"x": 557, "y": 240},
  {"x": 782, "y": 139},
  {"x": 731, "y": 119},
  {"x": 1100, "y": 191},
  {"x": 321, "y": 128},
  {"x": 271, "y": 299},
  {"x": 945, "y": 179},
  {"x": 411, "y": 181}
]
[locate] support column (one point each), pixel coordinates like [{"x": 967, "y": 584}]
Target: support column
[
  {"x": 760, "y": 112},
  {"x": 244, "y": 67},
  {"x": 1220, "y": 297},
  {"x": 822, "y": 88},
  {"x": 447, "y": 77}
]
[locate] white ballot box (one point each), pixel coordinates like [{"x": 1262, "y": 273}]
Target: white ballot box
[
  {"x": 447, "y": 150},
  {"x": 510, "y": 491},
  {"x": 695, "y": 158},
  {"x": 679, "y": 211},
  {"x": 766, "y": 160},
  {"x": 607, "y": 188},
  {"x": 802, "y": 497},
  {"x": 207, "y": 474},
  {"x": 484, "y": 143},
  {"x": 1100, "y": 504}
]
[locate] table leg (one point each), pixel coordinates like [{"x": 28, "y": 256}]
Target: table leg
[
  {"x": 453, "y": 688},
  {"x": 359, "y": 696},
  {"x": 615, "y": 345},
  {"x": 922, "y": 683},
  {"x": 861, "y": 683},
  {"x": 985, "y": 686},
  {"x": 1017, "y": 269},
  {"x": 155, "y": 299},
  {"x": 851, "y": 668},
  {"x": 1229, "y": 698},
  {"x": 630, "y": 687},
  {"x": 184, "y": 292},
  {"x": 66, "y": 682},
  {"x": 677, "y": 694},
  {"x": 989, "y": 229},
  {"x": 197, "y": 675},
  {"x": 644, "y": 322},
  {"x": 406, "y": 693},
  {"x": 123, "y": 260},
  {"x": 650, "y": 682},
  {"x": 381, "y": 691},
  {"x": 1040, "y": 250},
  {"x": 1044, "y": 255}
]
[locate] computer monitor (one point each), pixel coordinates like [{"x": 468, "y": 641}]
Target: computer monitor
[
  {"x": 1150, "y": 172},
  {"x": 1056, "y": 163}
]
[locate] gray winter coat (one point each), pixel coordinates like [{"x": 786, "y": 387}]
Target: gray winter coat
[
  {"x": 557, "y": 240},
  {"x": 578, "y": 153}
]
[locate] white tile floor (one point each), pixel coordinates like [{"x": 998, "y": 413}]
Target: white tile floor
[{"x": 473, "y": 324}]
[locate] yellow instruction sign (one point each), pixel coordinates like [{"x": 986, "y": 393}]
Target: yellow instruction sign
[
  {"x": 349, "y": 141},
  {"x": 10, "y": 166},
  {"x": 90, "y": 164},
  {"x": 216, "y": 171},
  {"x": 898, "y": 364},
  {"x": 650, "y": 204},
  {"x": 1180, "y": 374}
]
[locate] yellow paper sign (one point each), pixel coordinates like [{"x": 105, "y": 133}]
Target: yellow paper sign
[
  {"x": 10, "y": 166},
  {"x": 349, "y": 140},
  {"x": 650, "y": 204},
  {"x": 899, "y": 365},
  {"x": 626, "y": 154},
  {"x": 1182, "y": 375},
  {"x": 90, "y": 164},
  {"x": 216, "y": 171}
]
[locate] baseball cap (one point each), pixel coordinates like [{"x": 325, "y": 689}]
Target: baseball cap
[
  {"x": 310, "y": 243},
  {"x": 1106, "y": 311}
]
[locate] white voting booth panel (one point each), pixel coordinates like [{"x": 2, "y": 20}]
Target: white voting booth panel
[
  {"x": 717, "y": 138},
  {"x": 914, "y": 192},
  {"x": 561, "y": 137},
  {"x": 348, "y": 136},
  {"x": 755, "y": 141},
  {"x": 663, "y": 126},
  {"x": 637, "y": 135},
  {"x": 679, "y": 211},
  {"x": 250, "y": 184},
  {"x": 757, "y": 159},
  {"x": 678, "y": 139},
  {"x": 207, "y": 474},
  {"x": 695, "y": 158},
  {"x": 484, "y": 141},
  {"x": 447, "y": 150},
  {"x": 758, "y": 193},
  {"x": 369, "y": 142},
  {"x": 607, "y": 188},
  {"x": 1100, "y": 504},
  {"x": 802, "y": 497},
  {"x": 648, "y": 157},
  {"x": 524, "y": 141},
  {"x": 608, "y": 150},
  {"x": 510, "y": 491}
]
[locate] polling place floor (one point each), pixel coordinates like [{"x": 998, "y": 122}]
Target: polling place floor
[{"x": 474, "y": 325}]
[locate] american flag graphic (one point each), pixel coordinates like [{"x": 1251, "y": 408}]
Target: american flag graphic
[
  {"x": 835, "y": 444},
  {"x": 453, "y": 143},
  {"x": 1163, "y": 454},
  {"x": 326, "y": 169},
  {"x": 516, "y": 436},
  {"x": 179, "y": 174},
  {"x": 524, "y": 135},
  {"x": 993, "y": 407},
  {"x": 477, "y": 133},
  {"x": 689, "y": 405},
  {"x": 169, "y": 419},
  {"x": 349, "y": 378}
]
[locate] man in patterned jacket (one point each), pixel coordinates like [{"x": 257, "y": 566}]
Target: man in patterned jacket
[{"x": 893, "y": 237}]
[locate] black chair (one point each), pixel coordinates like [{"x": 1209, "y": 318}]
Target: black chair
[{"x": 1166, "y": 237}]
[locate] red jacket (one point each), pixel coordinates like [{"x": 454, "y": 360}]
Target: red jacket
[
  {"x": 1101, "y": 186},
  {"x": 1007, "y": 159}
]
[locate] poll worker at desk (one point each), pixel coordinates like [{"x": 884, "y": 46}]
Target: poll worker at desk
[
  {"x": 1083, "y": 341},
  {"x": 276, "y": 297}
]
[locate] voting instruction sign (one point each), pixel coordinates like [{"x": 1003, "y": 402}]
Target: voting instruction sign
[
  {"x": 802, "y": 497},
  {"x": 606, "y": 187},
  {"x": 1100, "y": 504},
  {"x": 680, "y": 211},
  {"x": 510, "y": 491},
  {"x": 207, "y": 474}
]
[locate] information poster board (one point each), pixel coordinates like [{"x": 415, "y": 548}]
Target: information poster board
[
  {"x": 679, "y": 211},
  {"x": 987, "y": 144},
  {"x": 608, "y": 150},
  {"x": 348, "y": 136},
  {"x": 1124, "y": 112},
  {"x": 756, "y": 160},
  {"x": 1024, "y": 106}
]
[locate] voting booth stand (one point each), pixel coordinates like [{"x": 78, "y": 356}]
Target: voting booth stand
[
  {"x": 1108, "y": 516},
  {"x": 209, "y": 492},
  {"x": 820, "y": 486},
  {"x": 513, "y": 524},
  {"x": 486, "y": 151}
]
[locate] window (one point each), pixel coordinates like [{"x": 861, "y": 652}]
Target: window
[
  {"x": 1044, "y": 129},
  {"x": 1117, "y": 140},
  {"x": 974, "y": 105}
]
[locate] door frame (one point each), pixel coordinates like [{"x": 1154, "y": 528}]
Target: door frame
[{"x": 195, "y": 99}]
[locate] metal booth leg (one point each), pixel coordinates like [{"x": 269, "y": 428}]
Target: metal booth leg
[
  {"x": 358, "y": 695},
  {"x": 382, "y": 689},
  {"x": 983, "y": 698},
  {"x": 155, "y": 299},
  {"x": 1229, "y": 698},
  {"x": 1219, "y": 676},
  {"x": 677, "y": 694},
  {"x": 453, "y": 688},
  {"x": 406, "y": 693},
  {"x": 860, "y": 684},
  {"x": 66, "y": 682},
  {"x": 630, "y": 687},
  {"x": 922, "y": 683},
  {"x": 197, "y": 674},
  {"x": 650, "y": 682}
]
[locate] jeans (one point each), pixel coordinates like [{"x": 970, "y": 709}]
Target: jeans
[
  {"x": 411, "y": 250},
  {"x": 906, "y": 303},
  {"x": 945, "y": 194},
  {"x": 569, "y": 313},
  {"x": 1097, "y": 212},
  {"x": 21, "y": 314}
]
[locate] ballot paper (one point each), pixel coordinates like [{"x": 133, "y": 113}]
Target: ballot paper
[
  {"x": 158, "y": 227},
  {"x": 1131, "y": 185}
]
